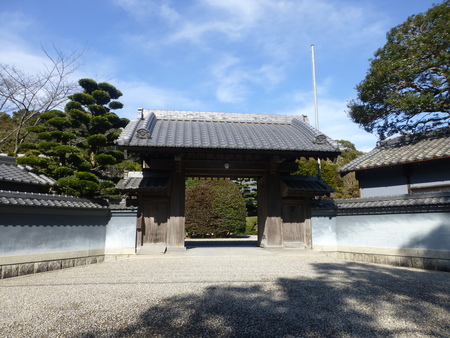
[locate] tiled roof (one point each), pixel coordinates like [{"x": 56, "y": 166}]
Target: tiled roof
[
  {"x": 437, "y": 199},
  {"x": 306, "y": 184},
  {"x": 404, "y": 149},
  {"x": 123, "y": 204},
  {"x": 11, "y": 172},
  {"x": 181, "y": 129},
  {"x": 143, "y": 181},
  {"x": 17, "y": 198}
]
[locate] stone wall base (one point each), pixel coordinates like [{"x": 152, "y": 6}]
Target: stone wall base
[
  {"x": 21, "y": 269},
  {"x": 18, "y": 267},
  {"x": 411, "y": 258}
]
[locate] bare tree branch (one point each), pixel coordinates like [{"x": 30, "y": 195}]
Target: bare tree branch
[{"x": 32, "y": 94}]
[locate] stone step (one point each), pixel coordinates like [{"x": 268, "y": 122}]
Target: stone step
[
  {"x": 294, "y": 245},
  {"x": 151, "y": 249}
]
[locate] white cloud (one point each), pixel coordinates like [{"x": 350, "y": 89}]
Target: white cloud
[
  {"x": 169, "y": 14},
  {"x": 245, "y": 11},
  {"x": 276, "y": 24},
  {"x": 15, "y": 49},
  {"x": 229, "y": 80},
  {"x": 334, "y": 122},
  {"x": 232, "y": 79},
  {"x": 140, "y": 9},
  {"x": 272, "y": 36},
  {"x": 138, "y": 94}
]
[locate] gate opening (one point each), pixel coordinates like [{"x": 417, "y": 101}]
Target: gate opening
[{"x": 220, "y": 212}]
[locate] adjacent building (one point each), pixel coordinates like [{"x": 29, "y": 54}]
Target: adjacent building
[{"x": 405, "y": 165}]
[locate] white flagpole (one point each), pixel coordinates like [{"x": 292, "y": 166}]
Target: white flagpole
[{"x": 316, "y": 109}]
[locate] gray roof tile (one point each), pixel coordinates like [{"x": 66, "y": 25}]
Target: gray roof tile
[
  {"x": 306, "y": 184},
  {"x": 18, "y": 198},
  {"x": 144, "y": 180},
  {"x": 404, "y": 149},
  {"x": 438, "y": 199},
  {"x": 181, "y": 129},
  {"x": 11, "y": 172},
  {"x": 143, "y": 183}
]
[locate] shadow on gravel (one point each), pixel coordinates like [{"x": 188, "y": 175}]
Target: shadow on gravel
[{"x": 347, "y": 299}]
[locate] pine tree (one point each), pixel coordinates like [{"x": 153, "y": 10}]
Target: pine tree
[{"x": 76, "y": 146}]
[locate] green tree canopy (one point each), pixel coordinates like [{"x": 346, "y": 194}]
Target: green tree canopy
[
  {"x": 248, "y": 187},
  {"x": 407, "y": 86},
  {"x": 344, "y": 187},
  {"x": 76, "y": 146},
  {"x": 214, "y": 208}
]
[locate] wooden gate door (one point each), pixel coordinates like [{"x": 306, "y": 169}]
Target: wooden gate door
[
  {"x": 155, "y": 223},
  {"x": 293, "y": 225}
]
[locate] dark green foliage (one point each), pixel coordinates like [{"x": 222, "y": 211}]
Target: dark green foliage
[
  {"x": 83, "y": 99},
  {"x": 36, "y": 129},
  {"x": 118, "y": 155},
  {"x": 72, "y": 105},
  {"x": 113, "y": 119},
  {"x": 6, "y": 125},
  {"x": 79, "y": 117},
  {"x": 46, "y": 135},
  {"x": 115, "y": 105},
  {"x": 51, "y": 114},
  {"x": 97, "y": 110},
  {"x": 87, "y": 176},
  {"x": 64, "y": 149},
  {"x": 129, "y": 166},
  {"x": 105, "y": 159},
  {"x": 229, "y": 205},
  {"x": 100, "y": 125},
  {"x": 73, "y": 185},
  {"x": 329, "y": 172},
  {"x": 214, "y": 208},
  {"x": 78, "y": 143},
  {"x": 45, "y": 146},
  {"x": 113, "y": 92},
  {"x": 59, "y": 123},
  {"x": 88, "y": 85},
  {"x": 344, "y": 187},
  {"x": 28, "y": 146},
  {"x": 33, "y": 161},
  {"x": 407, "y": 86},
  {"x": 59, "y": 172},
  {"x": 101, "y": 97},
  {"x": 200, "y": 217},
  {"x": 69, "y": 185},
  {"x": 14, "y": 130},
  {"x": 85, "y": 165},
  {"x": 248, "y": 187},
  {"x": 97, "y": 141},
  {"x": 251, "y": 225}
]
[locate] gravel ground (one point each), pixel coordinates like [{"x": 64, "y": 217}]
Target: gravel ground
[{"x": 280, "y": 294}]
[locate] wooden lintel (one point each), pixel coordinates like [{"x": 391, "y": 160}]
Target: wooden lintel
[{"x": 193, "y": 165}]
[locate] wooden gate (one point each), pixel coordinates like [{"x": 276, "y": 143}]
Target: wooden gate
[
  {"x": 155, "y": 223},
  {"x": 152, "y": 234},
  {"x": 293, "y": 225}
]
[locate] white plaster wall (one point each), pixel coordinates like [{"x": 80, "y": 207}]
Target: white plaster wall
[
  {"x": 25, "y": 231},
  {"x": 427, "y": 231},
  {"x": 413, "y": 231},
  {"x": 384, "y": 191},
  {"x": 121, "y": 232},
  {"x": 324, "y": 232}
]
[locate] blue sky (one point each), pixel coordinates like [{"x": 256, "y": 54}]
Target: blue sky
[{"x": 243, "y": 56}]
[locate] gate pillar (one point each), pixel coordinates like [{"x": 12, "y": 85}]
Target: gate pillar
[
  {"x": 176, "y": 222},
  {"x": 269, "y": 211}
]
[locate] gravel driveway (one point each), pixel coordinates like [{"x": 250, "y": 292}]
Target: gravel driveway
[{"x": 292, "y": 293}]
